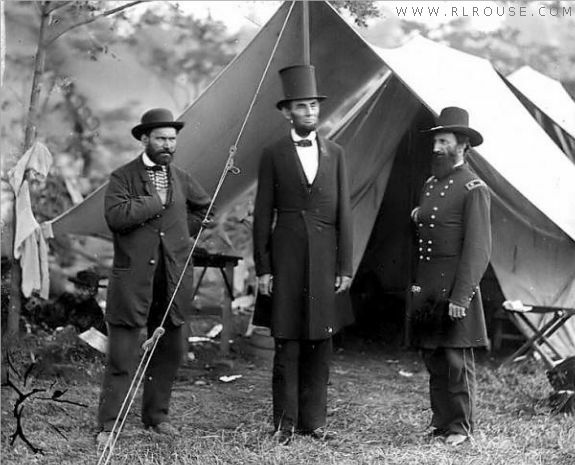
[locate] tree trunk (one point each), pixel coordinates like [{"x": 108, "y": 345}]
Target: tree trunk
[{"x": 13, "y": 325}]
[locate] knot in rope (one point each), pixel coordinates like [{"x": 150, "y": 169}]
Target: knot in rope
[
  {"x": 230, "y": 164},
  {"x": 158, "y": 333}
]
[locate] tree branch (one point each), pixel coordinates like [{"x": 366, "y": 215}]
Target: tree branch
[
  {"x": 92, "y": 19},
  {"x": 57, "y": 7}
]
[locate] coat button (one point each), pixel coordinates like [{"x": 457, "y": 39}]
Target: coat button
[
  {"x": 421, "y": 249},
  {"x": 430, "y": 242},
  {"x": 162, "y": 234},
  {"x": 428, "y": 258},
  {"x": 427, "y": 194},
  {"x": 435, "y": 209},
  {"x": 442, "y": 194},
  {"x": 421, "y": 241},
  {"x": 421, "y": 257},
  {"x": 432, "y": 225},
  {"x": 420, "y": 225},
  {"x": 429, "y": 250},
  {"x": 152, "y": 262},
  {"x": 432, "y": 217}
]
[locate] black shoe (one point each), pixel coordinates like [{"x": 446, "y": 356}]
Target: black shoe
[
  {"x": 437, "y": 433},
  {"x": 456, "y": 439},
  {"x": 164, "y": 429},
  {"x": 103, "y": 438},
  {"x": 321, "y": 434},
  {"x": 282, "y": 437}
]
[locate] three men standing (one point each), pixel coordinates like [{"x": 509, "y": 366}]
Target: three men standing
[
  {"x": 303, "y": 256},
  {"x": 152, "y": 208},
  {"x": 454, "y": 247}
]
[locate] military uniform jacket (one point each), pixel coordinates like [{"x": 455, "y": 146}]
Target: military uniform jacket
[
  {"x": 303, "y": 237},
  {"x": 453, "y": 247},
  {"x": 143, "y": 228}
]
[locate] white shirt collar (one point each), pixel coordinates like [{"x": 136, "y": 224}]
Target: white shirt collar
[
  {"x": 147, "y": 161},
  {"x": 311, "y": 136}
]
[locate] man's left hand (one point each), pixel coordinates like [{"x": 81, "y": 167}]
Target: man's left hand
[
  {"x": 456, "y": 312},
  {"x": 342, "y": 284}
]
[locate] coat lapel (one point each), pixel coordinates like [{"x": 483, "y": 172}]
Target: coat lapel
[
  {"x": 140, "y": 170},
  {"x": 323, "y": 158},
  {"x": 293, "y": 163}
]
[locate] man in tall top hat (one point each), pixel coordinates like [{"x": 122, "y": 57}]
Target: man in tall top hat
[
  {"x": 152, "y": 208},
  {"x": 454, "y": 247},
  {"x": 303, "y": 256}
]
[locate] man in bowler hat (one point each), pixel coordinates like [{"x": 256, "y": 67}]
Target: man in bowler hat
[
  {"x": 303, "y": 256},
  {"x": 152, "y": 208},
  {"x": 454, "y": 247}
]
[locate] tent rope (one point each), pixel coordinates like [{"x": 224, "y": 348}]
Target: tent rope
[{"x": 150, "y": 344}]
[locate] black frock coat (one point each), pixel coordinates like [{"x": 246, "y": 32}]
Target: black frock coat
[
  {"x": 143, "y": 228},
  {"x": 454, "y": 247},
  {"x": 303, "y": 237}
]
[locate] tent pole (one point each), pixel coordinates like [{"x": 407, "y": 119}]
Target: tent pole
[{"x": 305, "y": 29}]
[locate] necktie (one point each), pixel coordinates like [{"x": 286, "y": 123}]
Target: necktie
[
  {"x": 302, "y": 143},
  {"x": 159, "y": 176}
]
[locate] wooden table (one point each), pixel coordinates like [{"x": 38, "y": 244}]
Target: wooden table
[
  {"x": 539, "y": 337},
  {"x": 226, "y": 265}
]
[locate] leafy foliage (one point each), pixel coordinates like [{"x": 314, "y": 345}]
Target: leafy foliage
[{"x": 360, "y": 11}]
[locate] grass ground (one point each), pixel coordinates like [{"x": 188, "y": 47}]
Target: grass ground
[{"x": 379, "y": 410}]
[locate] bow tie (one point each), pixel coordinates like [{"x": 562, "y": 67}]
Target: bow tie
[
  {"x": 302, "y": 143},
  {"x": 155, "y": 168}
]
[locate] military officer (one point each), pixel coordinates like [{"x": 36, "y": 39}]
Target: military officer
[{"x": 454, "y": 247}]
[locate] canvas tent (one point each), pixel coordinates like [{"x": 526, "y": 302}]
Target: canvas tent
[
  {"x": 549, "y": 103},
  {"x": 378, "y": 100}
]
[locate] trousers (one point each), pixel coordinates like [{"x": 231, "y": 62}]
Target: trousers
[
  {"x": 299, "y": 384},
  {"x": 124, "y": 343},
  {"x": 452, "y": 388}
]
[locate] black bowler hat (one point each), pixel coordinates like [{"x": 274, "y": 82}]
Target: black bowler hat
[
  {"x": 87, "y": 278},
  {"x": 456, "y": 120},
  {"x": 156, "y": 118},
  {"x": 298, "y": 83}
]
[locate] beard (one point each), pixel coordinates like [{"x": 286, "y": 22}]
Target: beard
[
  {"x": 160, "y": 156},
  {"x": 442, "y": 164},
  {"x": 303, "y": 129}
]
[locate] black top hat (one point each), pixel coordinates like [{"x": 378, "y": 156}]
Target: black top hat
[
  {"x": 455, "y": 119},
  {"x": 87, "y": 278},
  {"x": 156, "y": 118},
  {"x": 298, "y": 83}
]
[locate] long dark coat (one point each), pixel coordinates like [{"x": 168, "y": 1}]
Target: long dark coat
[
  {"x": 303, "y": 237},
  {"x": 454, "y": 247},
  {"x": 143, "y": 229}
]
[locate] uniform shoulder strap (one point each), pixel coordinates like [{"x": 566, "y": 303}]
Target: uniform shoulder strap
[{"x": 474, "y": 184}]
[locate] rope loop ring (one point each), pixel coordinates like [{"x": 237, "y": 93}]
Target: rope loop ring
[{"x": 158, "y": 333}]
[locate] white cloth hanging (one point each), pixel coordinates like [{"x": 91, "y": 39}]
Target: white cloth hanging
[{"x": 30, "y": 247}]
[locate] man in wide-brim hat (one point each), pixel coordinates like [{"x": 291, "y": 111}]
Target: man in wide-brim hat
[
  {"x": 152, "y": 208},
  {"x": 303, "y": 256},
  {"x": 454, "y": 247}
]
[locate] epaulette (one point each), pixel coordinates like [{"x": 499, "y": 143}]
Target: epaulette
[
  {"x": 475, "y": 183},
  {"x": 431, "y": 178}
]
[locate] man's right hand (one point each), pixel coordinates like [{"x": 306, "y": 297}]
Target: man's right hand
[{"x": 265, "y": 284}]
